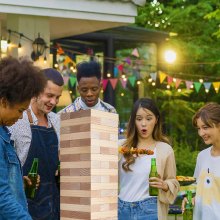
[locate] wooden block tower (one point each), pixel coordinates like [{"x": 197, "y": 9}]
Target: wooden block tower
[{"x": 89, "y": 165}]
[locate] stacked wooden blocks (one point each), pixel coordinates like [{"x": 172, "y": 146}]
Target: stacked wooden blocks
[{"x": 89, "y": 165}]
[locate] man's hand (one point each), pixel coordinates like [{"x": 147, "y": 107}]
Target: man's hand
[{"x": 27, "y": 181}]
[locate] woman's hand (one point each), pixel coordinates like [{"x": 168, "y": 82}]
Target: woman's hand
[
  {"x": 157, "y": 182},
  {"x": 27, "y": 181},
  {"x": 185, "y": 201}
]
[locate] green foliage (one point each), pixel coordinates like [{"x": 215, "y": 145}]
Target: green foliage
[
  {"x": 195, "y": 42},
  {"x": 185, "y": 158}
]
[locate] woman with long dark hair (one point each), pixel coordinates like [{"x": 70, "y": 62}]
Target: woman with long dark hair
[{"x": 144, "y": 135}]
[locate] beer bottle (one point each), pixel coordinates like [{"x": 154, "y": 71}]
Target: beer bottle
[
  {"x": 30, "y": 190},
  {"x": 188, "y": 213},
  {"x": 153, "y": 173}
]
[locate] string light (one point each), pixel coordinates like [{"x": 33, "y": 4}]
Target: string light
[{"x": 201, "y": 80}]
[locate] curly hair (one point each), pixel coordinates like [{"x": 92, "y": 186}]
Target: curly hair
[
  {"x": 88, "y": 69},
  {"x": 20, "y": 80}
]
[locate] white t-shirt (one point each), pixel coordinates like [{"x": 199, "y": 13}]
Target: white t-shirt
[
  {"x": 207, "y": 173},
  {"x": 134, "y": 186}
]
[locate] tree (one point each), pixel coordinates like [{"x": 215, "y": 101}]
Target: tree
[
  {"x": 196, "y": 45},
  {"x": 198, "y": 51}
]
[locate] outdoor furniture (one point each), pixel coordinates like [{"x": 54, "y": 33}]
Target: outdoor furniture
[{"x": 175, "y": 210}]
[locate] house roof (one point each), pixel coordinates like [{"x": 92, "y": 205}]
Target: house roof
[
  {"x": 136, "y": 2},
  {"x": 123, "y": 37}
]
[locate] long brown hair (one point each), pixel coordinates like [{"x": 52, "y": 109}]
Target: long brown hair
[
  {"x": 132, "y": 134},
  {"x": 209, "y": 114}
]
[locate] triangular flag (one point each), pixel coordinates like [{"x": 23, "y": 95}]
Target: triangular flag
[
  {"x": 197, "y": 86},
  {"x": 178, "y": 81},
  {"x": 132, "y": 80},
  {"x": 162, "y": 76},
  {"x": 104, "y": 83},
  {"x": 72, "y": 80},
  {"x": 207, "y": 85},
  {"x": 113, "y": 82},
  {"x": 153, "y": 76},
  {"x": 216, "y": 86},
  {"x": 135, "y": 52},
  {"x": 169, "y": 80},
  {"x": 128, "y": 60},
  {"x": 60, "y": 50},
  {"x": 115, "y": 71},
  {"x": 136, "y": 73},
  {"x": 68, "y": 60},
  {"x": 123, "y": 83},
  {"x": 188, "y": 84},
  {"x": 65, "y": 79},
  {"x": 120, "y": 67}
]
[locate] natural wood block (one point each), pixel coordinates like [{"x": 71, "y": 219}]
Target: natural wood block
[{"x": 89, "y": 165}]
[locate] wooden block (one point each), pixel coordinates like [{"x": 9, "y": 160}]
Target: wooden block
[{"x": 89, "y": 165}]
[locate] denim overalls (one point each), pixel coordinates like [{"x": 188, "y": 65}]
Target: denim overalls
[{"x": 44, "y": 146}]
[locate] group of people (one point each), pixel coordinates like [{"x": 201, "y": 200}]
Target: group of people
[{"x": 29, "y": 129}]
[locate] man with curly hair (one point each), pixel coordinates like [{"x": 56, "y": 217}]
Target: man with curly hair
[{"x": 19, "y": 82}]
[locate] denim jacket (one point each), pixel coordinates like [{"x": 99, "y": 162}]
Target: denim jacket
[{"x": 13, "y": 204}]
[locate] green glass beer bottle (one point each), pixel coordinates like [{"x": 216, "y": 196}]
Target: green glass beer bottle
[
  {"x": 188, "y": 213},
  {"x": 30, "y": 190},
  {"x": 153, "y": 173}
]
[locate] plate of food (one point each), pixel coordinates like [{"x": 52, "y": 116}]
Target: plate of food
[{"x": 185, "y": 180}]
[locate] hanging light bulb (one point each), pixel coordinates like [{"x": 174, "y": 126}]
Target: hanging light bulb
[
  {"x": 19, "y": 43},
  {"x": 45, "y": 59},
  {"x": 201, "y": 80},
  {"x": 108, "y": 75},
  {"x": 9, "y": 36}
]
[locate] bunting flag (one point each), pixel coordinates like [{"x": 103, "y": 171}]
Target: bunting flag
[
  {"x": 153, "y": 76},
  {"x": 128, "y": 60},
  {"x": 113, "y": 83},
  {"x": 123, "y": 83},
  {"x": 104, "y": 83},
  {"x": 207, "y": 85},
  {"x": 197, "y": 86},
  {"x": 132, "y": 80},
  {"x": 169, "y": 80},
  {"x": 65, "y": 79},
  {"x": 68, "y": 60},
  {"x": 60, "y": 51},
  {"x": 216, "y": 86},
  {"x": 115, "y": 72},
  {"x": 178, "y": 81},
  {"x": 162, "y": 76},
  {"x": 135, "y": 52},
  {"x": 72, "y": 80},
  {"x": 188, "y": 84},
  {"x": 120, "y": 67}
]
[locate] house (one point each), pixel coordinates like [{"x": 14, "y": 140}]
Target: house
[{"x": 22, "y": 21}]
